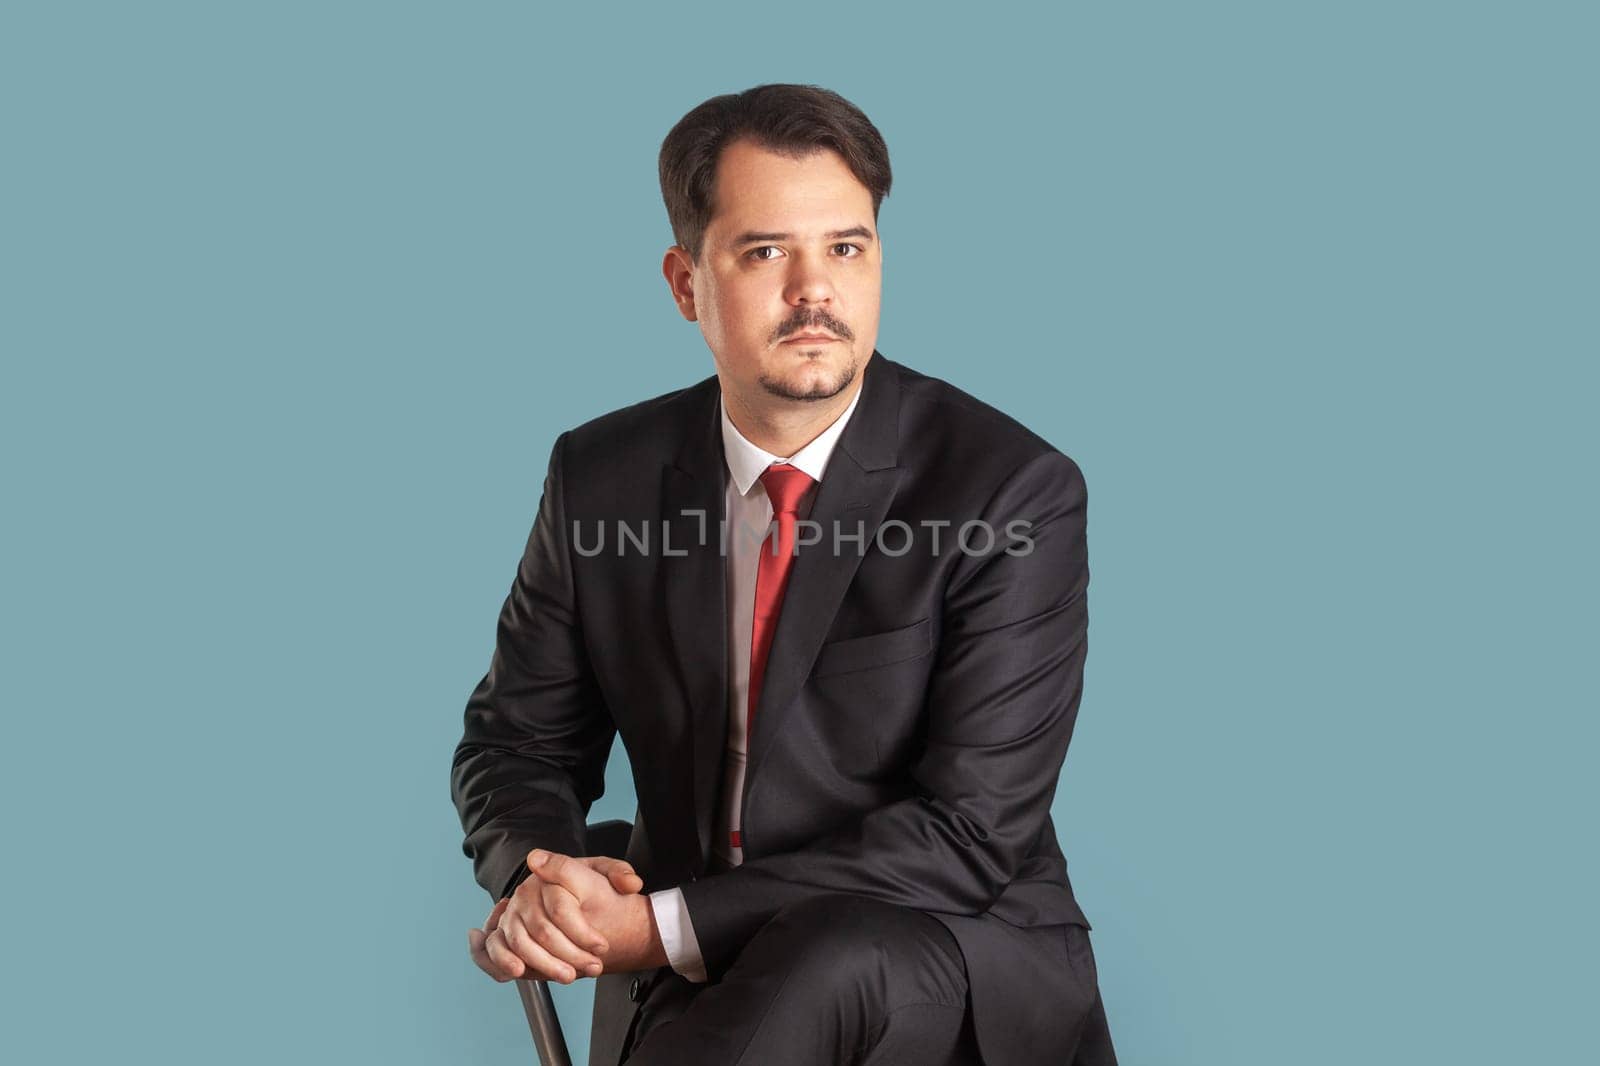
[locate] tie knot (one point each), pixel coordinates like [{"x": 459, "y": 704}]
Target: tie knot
[{"x": 785, "y": 485}]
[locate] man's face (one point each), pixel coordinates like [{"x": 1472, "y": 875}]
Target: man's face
[{"x": 791, "y": 250}]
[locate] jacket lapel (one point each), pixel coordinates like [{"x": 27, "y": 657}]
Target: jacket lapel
[
  {"x": 696, "y": 599},
  {"x": 854, "y": 495}
]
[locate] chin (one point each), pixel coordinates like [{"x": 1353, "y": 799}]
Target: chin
[{"x": 815, "y": 382}]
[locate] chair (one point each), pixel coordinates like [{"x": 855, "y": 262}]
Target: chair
[{"x": 601, "y": 838}]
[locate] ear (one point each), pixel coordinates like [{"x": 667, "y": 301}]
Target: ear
[{"x": 678, "y": 269}]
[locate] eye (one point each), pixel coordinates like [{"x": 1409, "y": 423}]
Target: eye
[
  {"x": 755, "y": 253},
  {"x": 857, "y": 250}
]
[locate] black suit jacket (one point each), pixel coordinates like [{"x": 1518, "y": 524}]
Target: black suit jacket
[{"x": 916, "y": 708}]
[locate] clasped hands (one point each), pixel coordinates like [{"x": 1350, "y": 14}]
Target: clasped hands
[{"x": 576, "y": 916}]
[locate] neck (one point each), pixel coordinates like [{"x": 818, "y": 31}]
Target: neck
[{"x": 782, "y": 426}]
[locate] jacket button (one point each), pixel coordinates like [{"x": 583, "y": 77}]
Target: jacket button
[{"x": 633, "y": 990}]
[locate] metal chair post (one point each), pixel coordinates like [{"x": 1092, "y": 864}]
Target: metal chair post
[{"x": 544, "y": 1023}]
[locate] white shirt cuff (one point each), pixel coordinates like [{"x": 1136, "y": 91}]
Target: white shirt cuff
[{"x": 677, "y": 934}]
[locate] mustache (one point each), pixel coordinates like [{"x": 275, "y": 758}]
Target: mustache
[{"x": 816, "y": 318}]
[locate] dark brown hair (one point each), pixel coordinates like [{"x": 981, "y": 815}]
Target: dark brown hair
[{"x": 794, "y": 120}]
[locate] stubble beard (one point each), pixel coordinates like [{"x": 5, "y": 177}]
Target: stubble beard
[{"x": 777, "y": 386}]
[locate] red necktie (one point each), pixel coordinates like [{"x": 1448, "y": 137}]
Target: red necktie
[{"x": 785, "y": 486}]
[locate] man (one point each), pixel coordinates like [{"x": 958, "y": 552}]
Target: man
[{"x": 844, "y": 739}]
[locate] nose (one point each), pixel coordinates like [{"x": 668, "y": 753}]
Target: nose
[{"x": 808, "y": 281}]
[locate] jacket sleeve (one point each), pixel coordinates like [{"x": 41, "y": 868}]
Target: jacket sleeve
[
  {"x": 532, "y": 755},
  {"x": 1001, "y": 703}
]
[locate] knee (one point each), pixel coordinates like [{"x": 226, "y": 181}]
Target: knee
[
  {"x": 851, "y": 942},
  {"x": 834, "y": 920}
]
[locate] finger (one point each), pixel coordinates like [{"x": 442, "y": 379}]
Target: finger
[
  {"x": 618, "y": 871},
  {"x": 534, "y": 956},
  {"x": 536, "y": 937},
  {"x": 477, "y": 947},
  {"x": 506, "y": 965},
  {"x": 565, "y": 910},
  {"x": 571, "y": 874},
  {"x": 477, "y": 942}
]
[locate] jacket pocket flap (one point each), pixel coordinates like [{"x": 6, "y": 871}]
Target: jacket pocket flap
[{"x": 876, "y": 649}]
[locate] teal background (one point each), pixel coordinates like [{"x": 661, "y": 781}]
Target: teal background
[{"x": 295, "y": 297}]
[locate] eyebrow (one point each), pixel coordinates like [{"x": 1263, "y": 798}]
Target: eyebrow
[{"x": 752, "y": 237}]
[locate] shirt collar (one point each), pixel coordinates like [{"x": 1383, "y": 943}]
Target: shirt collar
[{"x": 746, "y": 461}]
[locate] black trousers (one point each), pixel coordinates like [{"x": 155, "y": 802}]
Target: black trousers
[{"x": 832, "y": 981}]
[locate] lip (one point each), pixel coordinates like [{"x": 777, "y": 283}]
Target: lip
[{"x": 813, "y": 338}]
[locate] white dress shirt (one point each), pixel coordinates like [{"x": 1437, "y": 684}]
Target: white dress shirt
[{"x": 749, "y": 513}]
